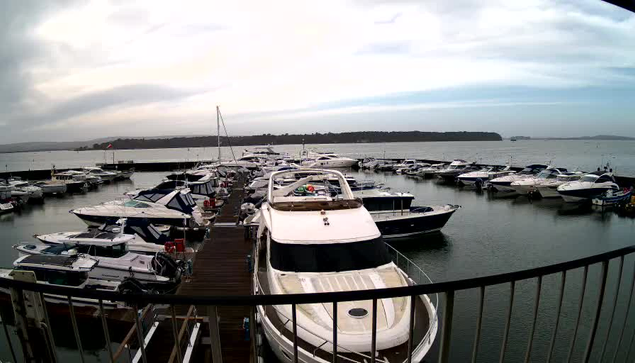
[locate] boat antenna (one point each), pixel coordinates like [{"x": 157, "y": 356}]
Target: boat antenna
[
  {"x": 227, "y": 135},
  {"x": 218, "y": 131}
]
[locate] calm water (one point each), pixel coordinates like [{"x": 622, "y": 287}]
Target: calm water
[
  {"x": 488, "y": 235},
  {"x": 584, "y": 155}
]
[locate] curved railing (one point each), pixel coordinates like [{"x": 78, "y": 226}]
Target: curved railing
[{"x": 447, "y": 288}]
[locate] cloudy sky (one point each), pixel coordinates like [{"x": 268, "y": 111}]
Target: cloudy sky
[{"x": 76, "y": 70}]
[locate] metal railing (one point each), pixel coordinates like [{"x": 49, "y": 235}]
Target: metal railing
[{"x": 596, "y": 345}]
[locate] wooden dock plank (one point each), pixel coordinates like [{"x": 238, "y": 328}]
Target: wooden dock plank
[{"x": 220, "y": 268}]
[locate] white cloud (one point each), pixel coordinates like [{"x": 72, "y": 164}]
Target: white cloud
[{"x": 253, "y": 56}]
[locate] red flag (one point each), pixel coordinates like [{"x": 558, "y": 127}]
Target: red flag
[{"x": 109, "y": 146}]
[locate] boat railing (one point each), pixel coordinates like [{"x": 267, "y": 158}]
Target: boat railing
[{"x": 595, "y": 287}]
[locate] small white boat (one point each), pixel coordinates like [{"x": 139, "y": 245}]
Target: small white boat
[
  {"x": 106, "y": 176},
  {"x": 138, "y": 235},
  {"x": 75, "y": 181},
  {"x": 588, "y": 187},
  {"x": 6, "y": 204},
  {"x": 503, "y": 184},
  {"x": 70, "y": 271},
  {"x": 22, "y": 189},
  {"x": 481, "y": 177},
  {"x": 51, "y": 186},
  {"x": 529, "y": 184},
  {"x": 115, "y": 261},
  {"x": 429, "y": 171}
]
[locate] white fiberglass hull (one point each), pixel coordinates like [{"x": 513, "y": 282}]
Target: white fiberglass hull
[{"x": 135, "y": 245}]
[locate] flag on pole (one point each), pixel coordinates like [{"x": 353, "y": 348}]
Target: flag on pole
[{"x": 109, "y": 146}]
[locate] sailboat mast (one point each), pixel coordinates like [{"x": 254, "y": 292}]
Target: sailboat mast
[{"x": 218, "y": 131}]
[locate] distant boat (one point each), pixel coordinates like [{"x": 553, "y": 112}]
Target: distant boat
[{"x": 513, "y": 139}]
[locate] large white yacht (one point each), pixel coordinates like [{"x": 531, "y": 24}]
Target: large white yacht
[
  {"x": 328, "y": 160},
  {"x": 105, "y": 175},
  {"x": 588, "y": 187},
  {"x": 319, "y": 243},
  {"x": 480, "y": 177}
]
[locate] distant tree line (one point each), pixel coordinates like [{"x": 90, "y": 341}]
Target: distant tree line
[{"x": 315, "y": 138}]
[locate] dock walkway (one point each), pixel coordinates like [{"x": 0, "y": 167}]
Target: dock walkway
[{"x": 220, "y": 268}]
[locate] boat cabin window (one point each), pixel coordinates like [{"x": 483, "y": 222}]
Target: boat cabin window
[
  {"x": 136, "y": 204},
  {"x": 333, "y": 257},
  {"x": 66, "y": 278},
  {"x": 604, "y": 179},
  {"x": 114, "y": 251},
  {"x": 548, "y": 174},
  {"x": 589, "y": 178}
]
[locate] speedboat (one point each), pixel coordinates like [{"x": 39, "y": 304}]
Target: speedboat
[
  {"x": 612, "y": 197},
  {"x": 175, "y": 208},
  {"x": 106, "y": 176},
  {"x": 397, "y": 218},
  {"x": 6, "y": 204},
  {"x": 266, "y": 152},
  {"x": 330, "y": 160},
  {"x": 368, "y": 163},
  {"x": 503, "y": 184},
  {"x": 70, "y": 271},
  {"x": 23, "y": 190},
  {"x": 588, "y": 187},
  {"x": 139, "y": 236},
  {"x": 548, "y": 188},
  {"x": 408, "y": 163},
  {"x": 547, "y": 177},
  {"x": 202, "y": 191},
  {"x": 51, "y": 186},
  {"x": 115, "y": 261},
  {"x": 319, "y": 243},
  {"x": 456, "y": 168},
  {"x": 480, "y": 177},
  {"x": 427, "y": 172}
]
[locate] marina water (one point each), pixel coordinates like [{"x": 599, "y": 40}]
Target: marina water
[{"x": 488, "y": 235}]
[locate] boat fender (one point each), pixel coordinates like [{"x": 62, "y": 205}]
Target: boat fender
[{"x": 169, "y": 247}]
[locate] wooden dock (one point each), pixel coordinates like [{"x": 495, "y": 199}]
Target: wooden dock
[{"x": 220, "y": 268}]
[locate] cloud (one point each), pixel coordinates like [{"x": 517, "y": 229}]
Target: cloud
[{"x": 81, "y": 67}]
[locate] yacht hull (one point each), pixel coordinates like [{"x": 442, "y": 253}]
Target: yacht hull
[
  {"x": 96, "y": 221},
  {"x": 548, "y": 191},
  {"x": 394, "y": 224},
  {"x": 581, "y": 195}
]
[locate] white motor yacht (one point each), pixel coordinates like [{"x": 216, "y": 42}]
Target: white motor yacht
[
  {"x": 480, "y": 177},
  {"x": 106, "y": 176},
  {"x": 319, "y": 243},
  {"x": 70, "y": 271},
  {"x": 51, "y": 186},
  {"x": 75, "y": 181},
  {"x": 408, "y": 163},
  {"x": 503, "y": 184},
  {"x": 115, "y": 261},
  {"x": 328, "y": 160},
  {"x": 6, "y": 204},
  {"x": 530, "y": 184},
  {"x": 456, "y": 168},
  {"x": 176, "y": 208},
  {"x": 429, "y": 171},
  {"x": 588, "y": 187},
  {"x": 139, "y": 236},
  {"x": 20, "y": 188}
]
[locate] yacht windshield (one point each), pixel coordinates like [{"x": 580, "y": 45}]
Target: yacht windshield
[
  {"x": 332, "y": 257},
  {"x": 589, "y": 178},
  {"x": 135, "y": 204},
  {"x": 547, "y": 174},
  {"x": 114, "y": 251}
]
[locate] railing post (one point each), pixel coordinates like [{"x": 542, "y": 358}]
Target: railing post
[
  {"x": 214, "y": 334},
  {"x": 177, "y": 342},
  {"x": 75, "y": 328},
  {"x": 508, "y": 321},
  {"x": 598, "y": 312},
  {"x": 617, "y": 294},
  {"x": 577, "y": 321},
  {"x": 49, "y": 331},
  {"x": 373, "y": 342},
  {"x": 6, "y": 334},
  {"x": 142, "y": 347},
  {"x": 104, "y": 324},
  {"x": 555, "y": 328},
  {"x": 295, "y": 332},
  {"x": 334, "y": 332},
  {"x": 479, "y": 322},
  {"x": 411, "y": 327},
  {"x": 628, "y": 310},
  {"x": 533, "y": 323},
  {"x": 446, "y": 327}
]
